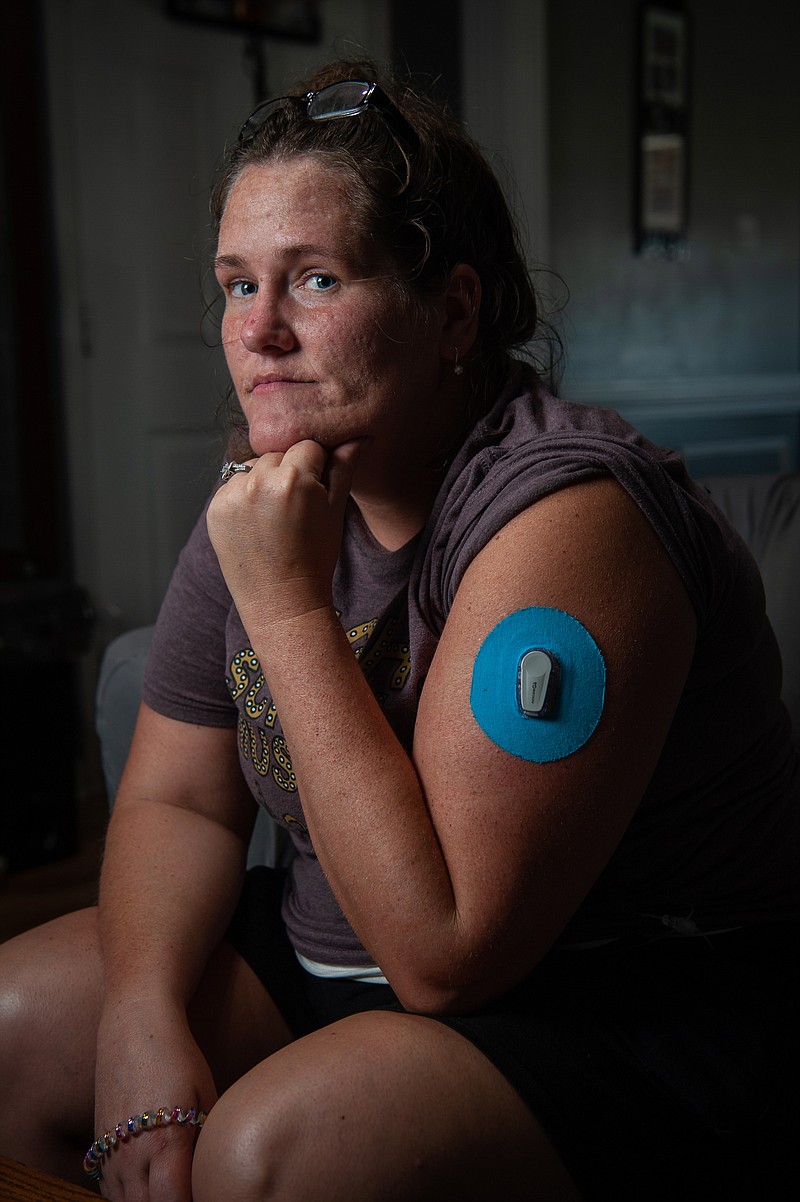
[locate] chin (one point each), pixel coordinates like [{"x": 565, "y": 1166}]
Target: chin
[
  {"x": 276, "y": 440},
  {"x": 273, "y": 440},
  {"x": 271, "y": 445}
]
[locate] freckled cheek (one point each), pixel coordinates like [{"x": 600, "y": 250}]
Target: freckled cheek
[
  {"x": 229, "y": 330},
  {"x": 232, "y": 346},
  {"x": 367, "y": 347}
]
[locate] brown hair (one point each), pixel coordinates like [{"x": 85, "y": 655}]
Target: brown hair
[{"x": 432, "y": 204}]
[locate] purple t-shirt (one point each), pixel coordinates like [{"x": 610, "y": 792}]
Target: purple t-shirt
[{"x": 714, "y": 839}]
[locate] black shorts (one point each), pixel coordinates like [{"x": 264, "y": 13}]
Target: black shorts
[{"x": 662, "y": 1073}]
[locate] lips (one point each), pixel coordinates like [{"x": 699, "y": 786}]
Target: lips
[{"x": 267, "y": 382}]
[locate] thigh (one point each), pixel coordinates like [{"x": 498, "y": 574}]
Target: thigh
[
  {"x": 380, "y": 1105},
  {"x": 50, "y": 998}
]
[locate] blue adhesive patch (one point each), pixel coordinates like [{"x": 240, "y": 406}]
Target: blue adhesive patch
[{"x": 494, "y": 696}]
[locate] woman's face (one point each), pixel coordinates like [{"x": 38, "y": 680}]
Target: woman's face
[{"x": 320, "y": 342}]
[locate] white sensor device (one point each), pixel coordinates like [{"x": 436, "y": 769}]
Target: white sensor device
[{"x": 537, "y": 683}]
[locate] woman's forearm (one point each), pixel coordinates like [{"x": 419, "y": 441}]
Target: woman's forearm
[
  {"x": 169, "y": 884},
  {"x": 361, "y": 794},
  {"x": 277, "y": 531}
]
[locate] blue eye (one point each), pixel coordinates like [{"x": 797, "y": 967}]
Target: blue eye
[
  {"x": 242, "y": 288},
  {"x": 320, "y": 281}
]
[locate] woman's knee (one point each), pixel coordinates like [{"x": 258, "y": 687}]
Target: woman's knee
[
  {"x": 245, "y": 1147},
  {"x": 49, "y": 999},
  {"x": 227, "y": 1158},
  {"x": 257, "y": 1142},
  {"x": 378, "y": 1106}
]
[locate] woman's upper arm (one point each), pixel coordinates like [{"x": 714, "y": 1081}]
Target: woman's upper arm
[
  {"x": 525, "y": 840},
  {"x": 176, "y": 840},
  {"x": 190, "y": 766}
]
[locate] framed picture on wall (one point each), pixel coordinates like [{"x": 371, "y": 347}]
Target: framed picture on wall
[
  {"x": 662, "y": 158},
  {"x": 662, "y": 124},
  {"x": 664, "y": 54},
  {"x": 298, "y": 19}
]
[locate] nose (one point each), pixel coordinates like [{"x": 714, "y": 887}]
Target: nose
[{"x": 266, "y": 327}]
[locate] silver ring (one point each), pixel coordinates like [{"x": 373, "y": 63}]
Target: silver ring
[{"x": 230, "y": 469}]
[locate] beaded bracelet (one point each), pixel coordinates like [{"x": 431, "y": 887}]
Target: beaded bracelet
[{"x": 147, "y": 1121}]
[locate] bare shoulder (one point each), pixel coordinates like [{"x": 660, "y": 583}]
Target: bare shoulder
[{"x": 591, "y": 536}]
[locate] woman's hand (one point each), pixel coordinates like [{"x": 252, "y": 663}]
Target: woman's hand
[
  {"x": 147, "y": 1058},
  {"x": 277, "y": 529}
]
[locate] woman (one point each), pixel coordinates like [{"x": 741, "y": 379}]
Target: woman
[{"x": 543, "y": 871}]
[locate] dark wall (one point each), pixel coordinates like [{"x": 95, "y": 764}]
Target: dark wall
[
  {"x": 33, "y": 511},
  {"x": 426, "y": 40},
  {"x": 731, "y": 306}
]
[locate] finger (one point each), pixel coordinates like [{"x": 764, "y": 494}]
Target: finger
[
  {"x": 340, "y": 469},
  {"x": 306, "y": 456},
  {"x": 171, "y": 1173},
  {"x": 133, "y": 1174},
  {"x": 349, "y": 452}
]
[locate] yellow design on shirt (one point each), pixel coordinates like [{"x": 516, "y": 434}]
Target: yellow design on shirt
[{"x": 258, "y": 715}]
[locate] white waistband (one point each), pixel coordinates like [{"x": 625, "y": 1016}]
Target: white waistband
[{"x": 369, "y": 973}]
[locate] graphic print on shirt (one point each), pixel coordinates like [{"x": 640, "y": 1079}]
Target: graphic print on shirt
[
  {"x": 385, "y": 660},
  {"x": 385, "y": 649}
]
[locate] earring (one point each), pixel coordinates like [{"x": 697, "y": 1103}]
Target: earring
[{"x": 458, "y": 368}]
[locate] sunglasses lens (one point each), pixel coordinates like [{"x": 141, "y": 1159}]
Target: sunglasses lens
[
  {"x": 257, "y": 118},
  {"x": 348, "y": 98},
  {"x": 338, "y": 100}
]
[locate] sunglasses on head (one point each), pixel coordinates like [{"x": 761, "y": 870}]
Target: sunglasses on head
[{"x": 349, "y": 98}]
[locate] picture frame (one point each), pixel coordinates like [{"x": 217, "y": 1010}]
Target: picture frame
[
  {"x": 661, "y": 201},
  {"x": 662, "y": 208},
  {"x": 664, "y": 52},
  {"x": 299, "y": 20}
]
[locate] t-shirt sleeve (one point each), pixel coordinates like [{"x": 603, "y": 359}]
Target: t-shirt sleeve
[
  {"x": 503, "y": 481},
  {"x": 185, "y": 677}
]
